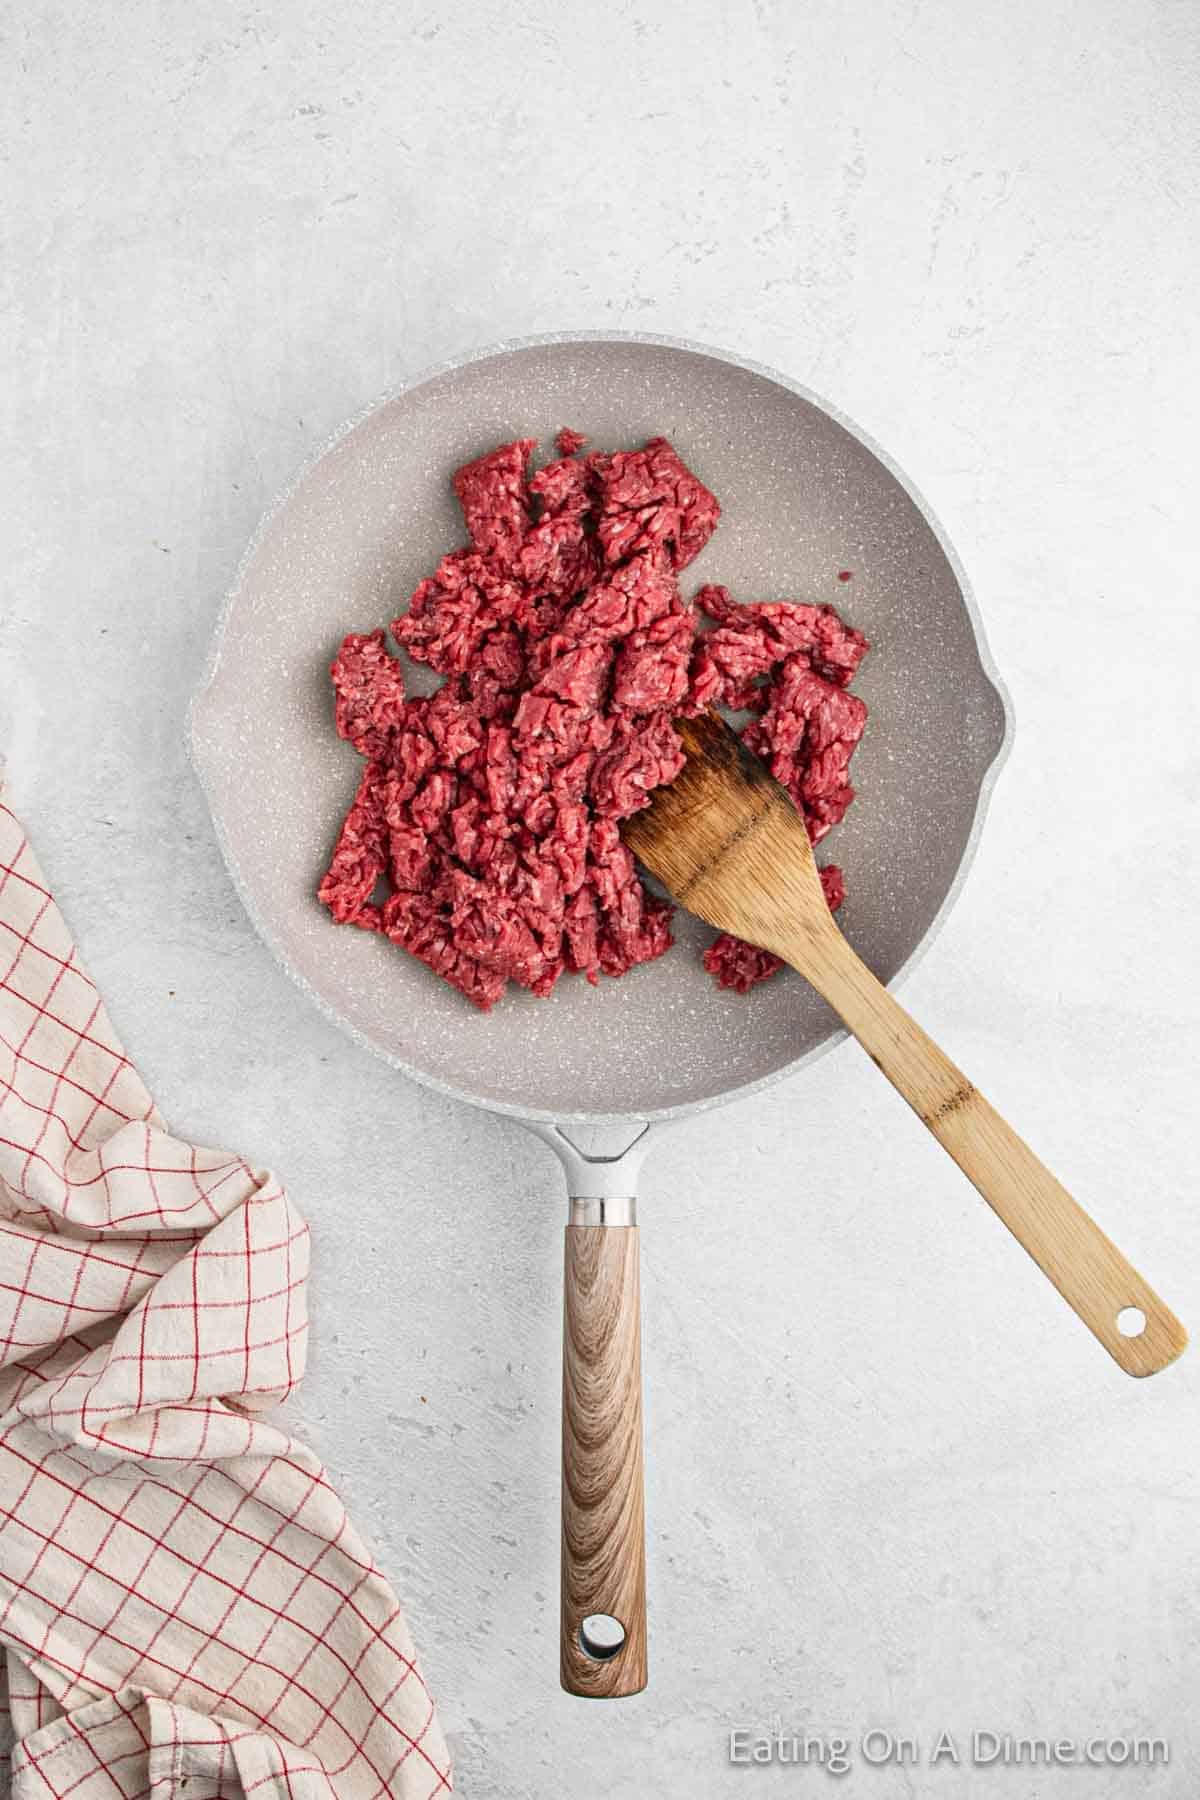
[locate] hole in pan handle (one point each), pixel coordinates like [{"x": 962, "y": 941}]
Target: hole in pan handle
[{"x": 601, "y": 1637}]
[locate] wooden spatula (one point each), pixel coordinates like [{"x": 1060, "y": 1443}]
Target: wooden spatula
[{"x": 727, "y": 842}]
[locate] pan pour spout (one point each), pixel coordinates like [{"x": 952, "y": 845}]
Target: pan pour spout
[{"x": 727, "y": 843}]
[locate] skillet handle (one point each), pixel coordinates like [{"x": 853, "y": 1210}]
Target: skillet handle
[{"x": 602, "y": 1641}]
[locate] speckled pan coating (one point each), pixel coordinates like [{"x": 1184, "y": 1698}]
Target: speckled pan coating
[{"x": 804, "y": 495}]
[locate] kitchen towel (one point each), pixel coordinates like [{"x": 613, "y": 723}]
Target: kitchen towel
[{"x": 185, "y": 1608}]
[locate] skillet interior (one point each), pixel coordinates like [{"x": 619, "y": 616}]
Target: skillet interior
[{"x": 802, "y": 497}]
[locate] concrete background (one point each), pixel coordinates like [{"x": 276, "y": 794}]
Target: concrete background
[{"x": 891, "y": 1481}]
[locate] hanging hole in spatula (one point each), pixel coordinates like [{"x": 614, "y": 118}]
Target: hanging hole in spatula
[
  {"x": 1131, "y": 1321},
  {"x": 601, "y": 1636}
]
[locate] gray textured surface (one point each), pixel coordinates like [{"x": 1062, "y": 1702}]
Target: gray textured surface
[
  {"x": 802, "y": 498},
  {"x": 891, "y": 1480}
]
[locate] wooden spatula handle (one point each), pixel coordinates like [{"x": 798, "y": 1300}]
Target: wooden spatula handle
[
  {"x": 603, "y": 1506},
  {"x": 1085, "y": 1266}
]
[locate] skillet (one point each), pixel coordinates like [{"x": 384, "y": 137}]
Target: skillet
[{"x": 806, "y": 498}]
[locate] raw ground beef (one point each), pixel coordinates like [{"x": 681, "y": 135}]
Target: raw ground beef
[{"x": 484, "y": 836}]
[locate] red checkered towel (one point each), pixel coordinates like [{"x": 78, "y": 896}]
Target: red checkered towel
[{"x": 184, "y": 1606}]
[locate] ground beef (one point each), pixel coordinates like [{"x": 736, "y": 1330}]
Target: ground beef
[{"x": 484, "y": 837}]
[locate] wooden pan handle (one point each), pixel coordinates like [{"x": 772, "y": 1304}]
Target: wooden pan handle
[
  {"x": 1085, "y": 1266},
  {"x": 603, "y": 1508}
]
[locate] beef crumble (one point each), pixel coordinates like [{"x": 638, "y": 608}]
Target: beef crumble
[{"x": 484, "y": 836}]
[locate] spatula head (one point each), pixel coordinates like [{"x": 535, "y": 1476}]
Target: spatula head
[{"x": 726, "y": 841}]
